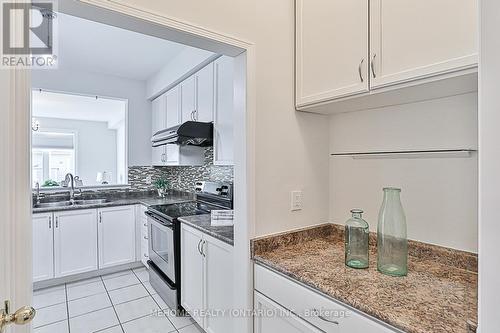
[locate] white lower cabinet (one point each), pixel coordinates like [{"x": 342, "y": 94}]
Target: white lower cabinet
[
  {"x": 116, "y": 230},
  {"x": 79, "y": 241},
  {"x": 312, "y": 312},
  {"x": 276, "y": 318},
  {"x": 75, "y": 242},
  {"x": 43, "y": 247},
  {"x": 143, "y": 246},
  {"x": 207, "y": 280}
]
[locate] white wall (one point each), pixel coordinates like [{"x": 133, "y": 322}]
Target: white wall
[
  {"x": 96, "y": 147},
  {"x": 439, "y": 194},
  {"x": 176, "y": 68},
  {"x": 291, "y": 148},
  {"x": 139, "y": 109},
  {"x": 489, "y": 167}
]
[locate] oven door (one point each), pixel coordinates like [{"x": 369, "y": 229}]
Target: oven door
[{"x": 161, "y": 245}]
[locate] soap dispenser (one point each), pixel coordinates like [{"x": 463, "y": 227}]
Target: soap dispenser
[{"x": 356, "y": 235}]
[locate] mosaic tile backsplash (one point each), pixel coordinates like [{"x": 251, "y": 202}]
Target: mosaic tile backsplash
[{"x": 181, "y": 178}]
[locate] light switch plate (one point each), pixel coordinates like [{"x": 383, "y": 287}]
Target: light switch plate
[{"x": 296, "y": 200}]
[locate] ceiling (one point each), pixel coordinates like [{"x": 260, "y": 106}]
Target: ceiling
[
  {"x": 94, "y": 47},
  {"x": 77, "y": 107}
]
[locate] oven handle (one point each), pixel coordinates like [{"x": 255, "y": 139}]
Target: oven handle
[{"x": 153, "y": 216}]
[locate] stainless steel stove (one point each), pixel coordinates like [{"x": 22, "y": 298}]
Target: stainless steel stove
[{"x": 164, "y": 236}]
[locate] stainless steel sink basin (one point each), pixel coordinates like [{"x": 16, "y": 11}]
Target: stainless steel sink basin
[
  {"x": 68, "y": 203},
  {"x": 53, "y": 204},
  {"x": 91, "y": 201}
]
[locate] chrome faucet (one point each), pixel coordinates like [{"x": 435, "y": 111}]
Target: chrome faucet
[
  {"x": 38, "y": 195},
  {"x": 70, "y": 181}
]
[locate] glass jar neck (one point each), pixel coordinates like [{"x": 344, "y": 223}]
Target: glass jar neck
[{"x": 392, "y": 194}]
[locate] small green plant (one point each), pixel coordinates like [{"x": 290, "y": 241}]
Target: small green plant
[
  {"x": 161, "y": 184},
  {"x": 50, "y": 183}
]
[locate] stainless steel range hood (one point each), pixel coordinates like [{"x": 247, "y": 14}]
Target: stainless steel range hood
[{"x": 193, "y": 133}]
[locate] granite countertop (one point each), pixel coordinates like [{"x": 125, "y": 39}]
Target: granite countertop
[
  {"x": 202, "y": 223},
  {"x": 438, "y": 295},
  {"x": 147, "y": 200}
]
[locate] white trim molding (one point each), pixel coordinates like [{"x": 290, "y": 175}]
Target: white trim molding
[{"x": 15, "y": 196}]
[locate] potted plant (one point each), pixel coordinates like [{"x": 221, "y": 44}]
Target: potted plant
[{"x": 161, "y": 186}]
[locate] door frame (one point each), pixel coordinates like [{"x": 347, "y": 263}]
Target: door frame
[{"x": 16, "y": 204}]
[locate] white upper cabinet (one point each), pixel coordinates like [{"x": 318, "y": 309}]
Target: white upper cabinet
[
  {"x": 159, "y": 119},
  {"x": 416, "y": 39},
  {"x": 117, "y": 236},
  {"x": 75, "y": 242},
  {"x": 173, "y": 107},
  {"x": 188, "y": 99},
  {"x": 224, "y": 111},
  {"x": 43, "y": 247},
  {"x": 331, "y": 49},
  {"x": 354, "y": 48},
  {"x": 205, "y": 94}
]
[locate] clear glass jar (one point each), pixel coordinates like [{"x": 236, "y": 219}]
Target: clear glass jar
[
  {"x": 392, "y": 243},
  {"x": 357, "y": 233}
]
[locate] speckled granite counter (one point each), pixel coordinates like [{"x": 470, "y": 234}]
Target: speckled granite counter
[
  {"x": 438, "y": 295},
  {"x": 202, "y": 223},
  {"x": 147, "y": 200}
]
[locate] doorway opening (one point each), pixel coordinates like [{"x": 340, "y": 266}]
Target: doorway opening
[{"x": 119, "y": 285}]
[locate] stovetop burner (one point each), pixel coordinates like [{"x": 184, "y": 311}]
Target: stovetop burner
[{"x": 174, "y": 211}]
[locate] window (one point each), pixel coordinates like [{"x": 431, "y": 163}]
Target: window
[
  {"x": 84, "y": 135},
  {"x": 53, "y": 156}
]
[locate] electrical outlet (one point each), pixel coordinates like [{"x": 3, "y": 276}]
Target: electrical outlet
[
  {"x": 296, "y": 200},
  {"x": 149, "y": 180}
]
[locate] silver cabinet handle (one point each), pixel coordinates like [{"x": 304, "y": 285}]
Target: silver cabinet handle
[
  {"x": 145, "y": 224},
  {"x": 146, "y": 238},
  {"x": 57, "y": 222},
  {"x": 199, "y": 243},
  {"x": 202, "y": 251},
  {"x": 100, "y": 217},
  {"x": 50, "y": 222},
  {"x": 373, "y": 66},
  {"x": 145, "y": 255},
  {"x": 325, "y": 319},
  {"x": 360, "y": 70}
]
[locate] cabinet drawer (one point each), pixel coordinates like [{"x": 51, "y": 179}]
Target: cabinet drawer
[{"x": 318, "y": 310}]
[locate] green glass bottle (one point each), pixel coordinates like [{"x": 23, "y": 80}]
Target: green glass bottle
[
  {"x": 392, "y": 243},
  {"x": 357, "y": 234}
]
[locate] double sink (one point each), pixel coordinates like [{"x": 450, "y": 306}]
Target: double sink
[{"x": 70, "y": 203}]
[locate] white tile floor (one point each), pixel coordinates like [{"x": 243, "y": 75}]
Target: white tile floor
[{"x": 123, "y": 302}]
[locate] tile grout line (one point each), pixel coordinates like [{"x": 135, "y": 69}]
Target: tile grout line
[
  {"x": 67, "y": 306},
  {"x": 159, "y": 306},
  {"x": 109, "y": 297}
]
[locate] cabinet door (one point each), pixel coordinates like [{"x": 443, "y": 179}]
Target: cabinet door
[
  {"x": 173, "y": 118},
  {"x": 158, "y": 109},
  {"x": 191, "y": 272},
  {"x": 416, "y": 39},
  {"x": 188, "y": 99},
  {"x": 331, "y": 49},
  {"x": 357, "y": 323},
  {"x": 43, "y": 247},
  {"x": 224, "y": 111},
  {"x": 281, "y": 319},
  {"x": 116, "y": 230},
  {"x": 218, "y": 284},
  {"x": 75, "y": 242},
  {"x": 205, "y": 94}
]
